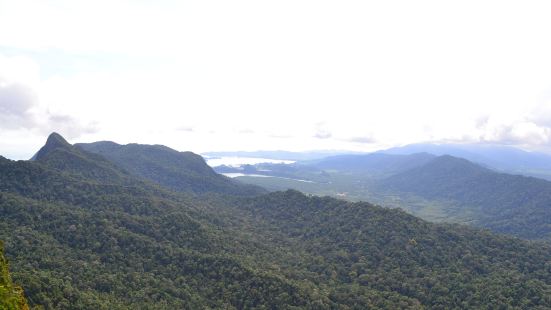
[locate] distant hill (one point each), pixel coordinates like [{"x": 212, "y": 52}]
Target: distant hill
[
  {"x": 503, "y": 158},
  {"x": 180, "y": 171},
  {"x": 506, "y": 203},
  {"x": 355, "y": 166},
  {"x": 373, "y": 164}
]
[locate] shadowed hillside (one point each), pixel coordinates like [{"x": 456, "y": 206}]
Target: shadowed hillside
[
  {"x": 180, "y": 171},
  {"x": 506, "y": 203}
]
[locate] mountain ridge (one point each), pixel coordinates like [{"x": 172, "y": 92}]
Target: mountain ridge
[
  {"x": 502, "y": 158},
  {"x": 503, "y": 201},
  {"x": 373, "y": 163},
  {"x": 179, "y": 171}
]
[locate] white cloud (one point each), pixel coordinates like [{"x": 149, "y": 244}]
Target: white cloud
[
  {"x": 21, "y": 108},
  {"x": 366, "y": 139},
  {"x": 283, "y": 75},
  {"x": 15, "y": 102},
  {"x": 519, "y": 133}
]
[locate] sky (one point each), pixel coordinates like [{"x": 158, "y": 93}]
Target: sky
[{"x": 275, "y": 75}]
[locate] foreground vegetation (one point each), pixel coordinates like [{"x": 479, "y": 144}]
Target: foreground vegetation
[{"x": 11, "y": 296}]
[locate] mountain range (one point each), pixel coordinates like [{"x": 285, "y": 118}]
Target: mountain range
[
  {"x": 502, "y": 158},
  {"x": 443, "y": 188},
  {"x": 87, "y": 227}
]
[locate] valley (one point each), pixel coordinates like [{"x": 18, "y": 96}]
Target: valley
[{"x": 435, "y": 188}]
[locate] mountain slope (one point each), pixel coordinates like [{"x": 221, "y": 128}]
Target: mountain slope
[
  {"x": 505, "y": 203},
  {"x": 180, "y": 171},
  {"x": 81, "y": 243},
  {"x": 361, "y": 247}
]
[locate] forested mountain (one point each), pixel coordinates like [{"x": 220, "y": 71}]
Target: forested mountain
[
  {"x": 78, "y": 241},
  {"x": 11, "y": 296},
  {"x": 84, "y": 243},
  {"x": 386, "y": 258},
  {"x": 179, "y": 171},
  {"x": 58, "y": 154},
  {"x": 505, "y": 203},
  {"x": 502, "y": 158}
]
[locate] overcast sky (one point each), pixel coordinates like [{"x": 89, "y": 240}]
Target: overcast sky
[{"x": 291, "y": 75}]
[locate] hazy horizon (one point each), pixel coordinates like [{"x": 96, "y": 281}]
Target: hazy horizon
[
  {"x": 253, "y": 159},
  {"x": 292, "y": 75}
]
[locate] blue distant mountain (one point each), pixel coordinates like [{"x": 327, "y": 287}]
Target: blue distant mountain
[
  {"x": 502, "y": 158},
  {"x": 372, "y": 164}
]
